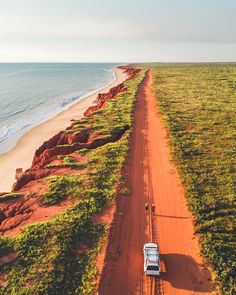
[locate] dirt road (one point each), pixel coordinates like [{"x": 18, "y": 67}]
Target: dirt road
[{"x": 152, "y": 175}]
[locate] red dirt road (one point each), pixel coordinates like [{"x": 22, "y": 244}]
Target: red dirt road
[{"x": 153, "y": 176}]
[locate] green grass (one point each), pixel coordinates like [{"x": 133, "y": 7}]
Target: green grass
[
  {"x": 198, "y": 104},
  {"x": 82, "y": 152},
  {"x": 68, "y": 162},
  {"x": 57, "y": 256},
  {"x": 10, "y": 196},
  {"x": 61, "y": 187}
]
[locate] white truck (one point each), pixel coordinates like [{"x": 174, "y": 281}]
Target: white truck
[{"x": 152, "y": 266}]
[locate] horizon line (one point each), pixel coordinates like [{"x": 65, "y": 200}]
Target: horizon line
[{"x": 116, "y": 62}]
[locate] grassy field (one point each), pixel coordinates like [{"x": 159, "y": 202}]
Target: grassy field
[
  {"x": 198, "y": 103},
  {"x": 57, "y": 256}
]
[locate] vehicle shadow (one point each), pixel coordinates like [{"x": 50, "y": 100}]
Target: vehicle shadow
[
  {"x": 175, "y": 217},
  {"x": 183, "y": 272}
]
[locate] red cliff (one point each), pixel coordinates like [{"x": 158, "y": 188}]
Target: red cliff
[{"x": 67, "y": 142}]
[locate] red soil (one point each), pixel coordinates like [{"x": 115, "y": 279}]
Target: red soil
[
  {"x": 151, "y": 171},
  {"x": 107, "y": 218},
  {"x": 27, "y": 210}
]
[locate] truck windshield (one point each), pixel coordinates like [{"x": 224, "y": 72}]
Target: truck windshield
[{"x": 153, "y": 267}]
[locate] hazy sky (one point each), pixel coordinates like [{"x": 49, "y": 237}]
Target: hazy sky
[{"x": 117, "y": 30}]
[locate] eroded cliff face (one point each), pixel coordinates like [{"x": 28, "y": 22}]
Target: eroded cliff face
[
  {"x": 65, "y": 143},
  {"x": 103, "y": 98},
  {"x": 28, "y": 208}
]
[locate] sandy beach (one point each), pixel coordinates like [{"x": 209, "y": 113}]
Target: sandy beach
[{"x": 22, "y": 155}]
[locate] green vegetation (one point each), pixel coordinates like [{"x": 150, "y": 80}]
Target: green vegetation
[
  {"x": 198, "y": 104},
  {"x": 68, "y": 162},
  {"x": 61, "y": 187},
  {"x": 57, "y": 256},
  {"x": 10, "y": 196},
  {"x": 82, "y": 152}
]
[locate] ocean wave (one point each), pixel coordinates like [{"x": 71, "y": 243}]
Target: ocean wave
[
  {"x": 4, "y": 131},
  {"x": 9, "y": 130},
  {"x": 21, "y": 121},
  {"x": 69, "y": 100},
  {"x": 14, "y": 113},
  {"x": 27, "y": 121}
]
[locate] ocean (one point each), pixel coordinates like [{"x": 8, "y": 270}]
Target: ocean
[{"x": 32, "y": 93}]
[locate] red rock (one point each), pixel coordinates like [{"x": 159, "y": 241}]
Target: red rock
[
  {"x": 19, "y": 172},
  {"x": 103, "y": 98}
]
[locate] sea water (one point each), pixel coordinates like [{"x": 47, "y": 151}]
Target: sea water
[{"x": 32, "y": 93}]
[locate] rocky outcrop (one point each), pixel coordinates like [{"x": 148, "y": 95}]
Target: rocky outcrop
[
  {"x": 73, "y": 138},
  {"x": 19, "y": 172},
  {"x": 103, "y": 98},
  {"x": 50, "y": 154},
  {"x": 48, "y": 144},
  {"x": 12, "y": 209},
  {"x": 61, "y": 144},
  {"x": 15, "y": 214},
  {"x": 30, "y": 175},
  {"x": 131, "y": 72}
]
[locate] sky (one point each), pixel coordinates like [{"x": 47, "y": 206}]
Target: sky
[{"x": 117, "y": 30}]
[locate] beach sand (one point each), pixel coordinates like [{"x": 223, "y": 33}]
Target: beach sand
[{"x": 22, "y": 155}]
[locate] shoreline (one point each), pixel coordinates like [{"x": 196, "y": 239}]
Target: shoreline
[
  {"x": 75, "y": 99},
  {"x": 22, "y": 154}
]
